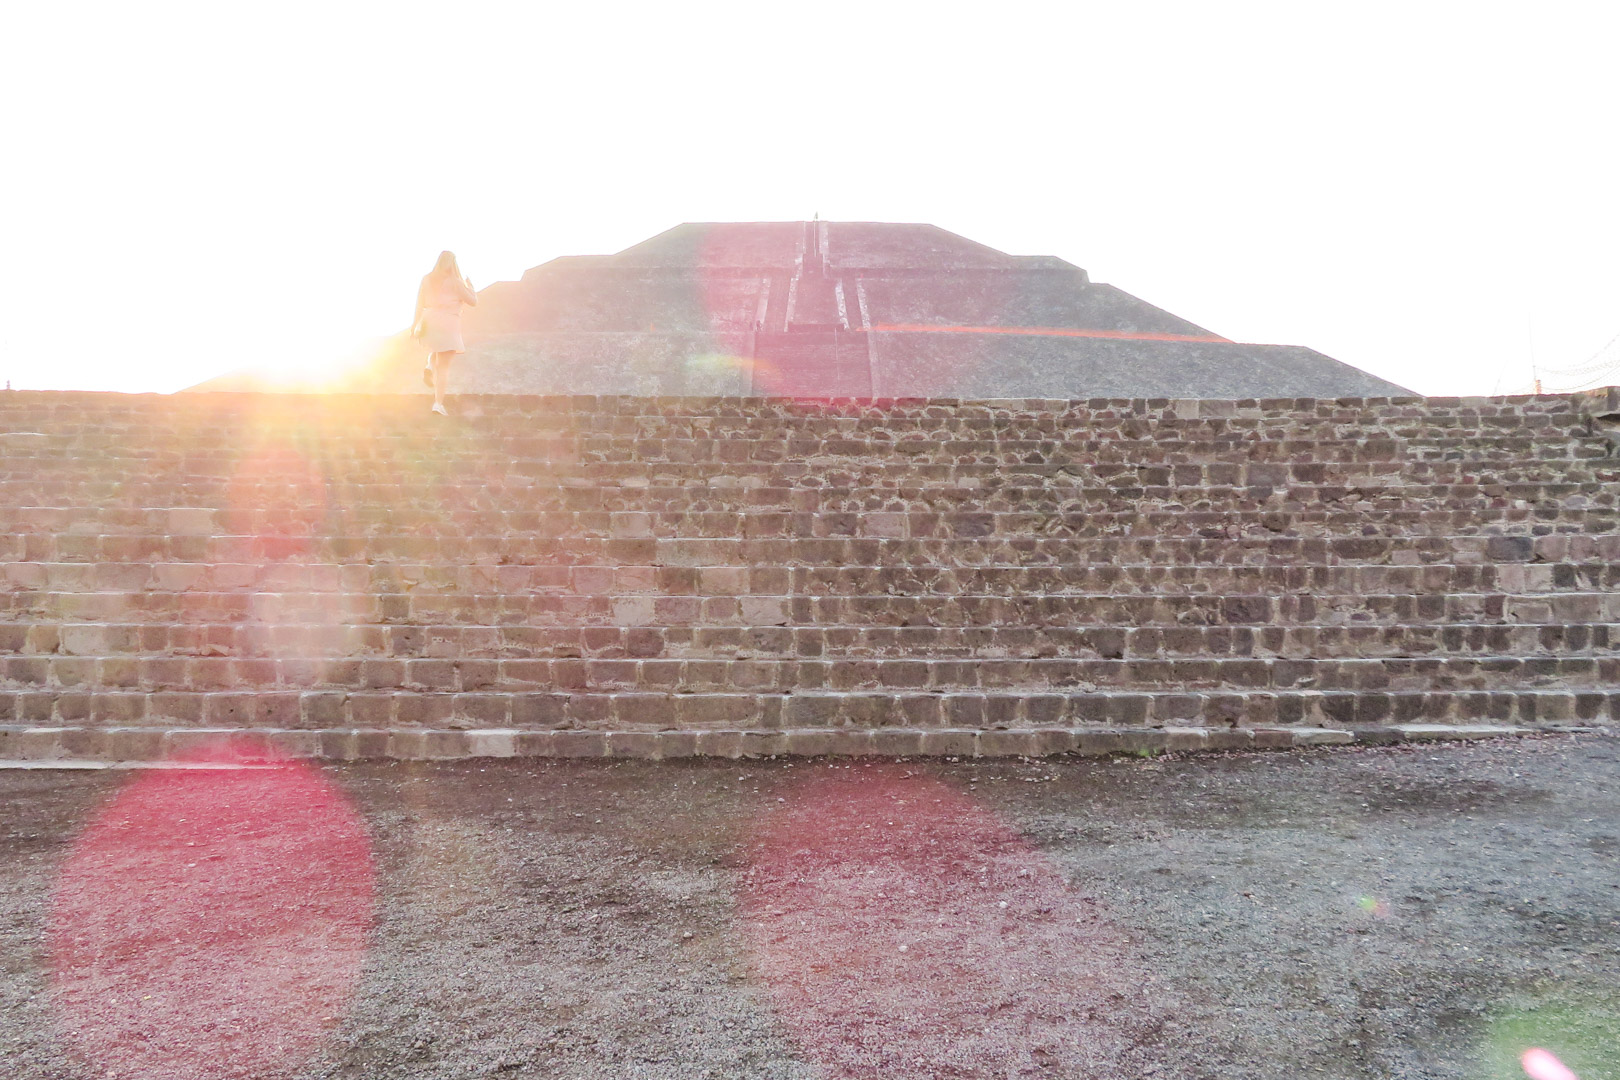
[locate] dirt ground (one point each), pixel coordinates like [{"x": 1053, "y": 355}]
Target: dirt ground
[{"x": 1428, "y": 911}]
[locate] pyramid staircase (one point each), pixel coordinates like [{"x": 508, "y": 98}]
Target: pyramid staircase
[{"x": 351, "y": 577}]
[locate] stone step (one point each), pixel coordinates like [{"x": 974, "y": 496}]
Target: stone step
[
  {"x": 636, "y": 555},
  {"x": 166, "y": 455},
  {"x": 92, "y": 747},
  {"x": 192, "y": 540},
  {"x": 543, "y": 437},
  {"x": 89, "y": 673},
  {"x": 1127, "y": 579},
  {"x": 329, "y": 640},
  {"x": 730, "y": 570},
  {"x": 830, "y": 540},
  {"x": 1044, "y": 484},
  {"x": 540, "y": 710},
  {"x": 244, "y": 509},
  {"x": 237, "y": 412},
  {"x": 1072, "y": 609},
  {"x": 167, "y": 452}
]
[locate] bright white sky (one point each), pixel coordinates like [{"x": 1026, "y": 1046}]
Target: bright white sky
[{"x": 1426, "y": 190}]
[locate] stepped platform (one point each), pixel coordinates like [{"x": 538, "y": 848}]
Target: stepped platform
[{"x": 655, "y": 577}]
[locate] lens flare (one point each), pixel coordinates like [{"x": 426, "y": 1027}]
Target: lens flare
[
  {"x": 1373, "y": 906},
  {"x": 905, "y": 931},
  {"x": 1541, "y": 1064},
  {"x": 211, "y": 922}
]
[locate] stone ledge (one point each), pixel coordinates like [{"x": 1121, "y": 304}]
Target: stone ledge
[{"x": 75, "y": 746}]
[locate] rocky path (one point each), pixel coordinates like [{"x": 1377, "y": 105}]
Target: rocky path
[{"x": 1398, "y": 912}]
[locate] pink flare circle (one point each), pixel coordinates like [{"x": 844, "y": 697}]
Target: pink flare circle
[
  {"x": 211, "y": 922},
  {"x": 903, "y": 930},
  {"x": 1541, "y": 1064}
]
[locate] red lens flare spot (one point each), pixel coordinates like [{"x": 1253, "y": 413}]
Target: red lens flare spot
[
  {"x": 903, "y": 930},
  {"x": 1542, "y": 1064},
  {"x": 211, "y": 921}
]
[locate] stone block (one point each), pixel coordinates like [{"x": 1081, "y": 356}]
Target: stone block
[
  {"x": 31, "y": 744},
  {"x": 950, "y": 742},
  {"x": 721, "y": 744},
  {"x": 424, "y": 710},
  {"x": 370, "y": 710},
  {"x": 372, "y": 744},
  {"x": 492, "y": 742},
  {"x": 579, "y": 744},
  {"x": 635, "y": 744},
  {"x": 1312, "y": 736},
  {"x": 335, "y": 745},
  {"x": 885, "y": 525},
  {"x": 294, "y": 744},
  {"x": 200, "y": 742},
  {"x": 539, "y": 710},
  {"x": 678, "y": 744},
  {"x": 896, "y": 742},
  {"x": 811, "y": 710},
  {"x": 1022, "y": 742},
  {"x": 763, "y": 743},
  {"x": 764, "y": 610},
  {"x": 1180, "y": 740},
  {"x": 1376, "y": 736},
  {"x": 443, "y": 745},
  {"x": 811, "y": 742},
  {"x": 964, "y": 711},
  {"x": 481, "y": 710},
  {"x": 1510, "y": 548},
  {"x": 1051, "y": 741},
  {"x": 191, "y": 521},
  {"x": 1128, "y": 710},
  {"x": 1228, "y": 739},
  {"x": 1144, "y": 742}
]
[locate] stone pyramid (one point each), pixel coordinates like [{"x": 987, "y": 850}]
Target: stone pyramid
[{"x": 824, "y": 309}]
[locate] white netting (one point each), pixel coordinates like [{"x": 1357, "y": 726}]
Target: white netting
[{"x": 1602, "y": 368}]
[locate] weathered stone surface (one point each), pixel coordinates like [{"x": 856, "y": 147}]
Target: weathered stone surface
[{"x": 743, "y": 577}]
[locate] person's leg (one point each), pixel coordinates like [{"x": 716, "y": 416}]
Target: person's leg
[{"x": 441, "y": 376}]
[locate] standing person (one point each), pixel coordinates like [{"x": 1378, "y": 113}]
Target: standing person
[{"x": 438, "y": 321}]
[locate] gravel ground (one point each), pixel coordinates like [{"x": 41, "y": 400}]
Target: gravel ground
[{"x": 1393, "y": 912}]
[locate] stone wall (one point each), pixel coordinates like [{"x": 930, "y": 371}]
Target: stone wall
[{"x": 352, "y": 577}]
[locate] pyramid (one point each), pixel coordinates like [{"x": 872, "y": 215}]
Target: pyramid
[{"x": 825, "y": 309}]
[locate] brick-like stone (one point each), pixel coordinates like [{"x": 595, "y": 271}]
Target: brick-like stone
[
  {"x": 31, "y": 744},
  {"x": 295, "y": 744},
  {"x": 721, "y": 744},
  {"x": 584, "y": 744},
  {"x": 1303, "y": 736},
  {"x": 372, "y": 744},
  {"x": 897, "y": 742},
  {"x": 492, "y": 742},
  {"x": 635, "y": 744},
  {"x": 191, "y": 521},
  {"x": 678, "y": 744},
  {"x": 950, "y": 742},
  {"x": 1228, "y": 739},
  {"x": 1021, "y": 742},
  {"x": 336, "y": 745},
  {"x": 199, "y": 742},
  {"x": 1185, "y": 740}
]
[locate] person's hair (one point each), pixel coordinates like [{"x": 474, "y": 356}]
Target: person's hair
[{"x": 446, "y": 265}]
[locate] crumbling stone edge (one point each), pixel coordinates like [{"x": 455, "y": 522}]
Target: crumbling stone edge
[{"x": 41, "y": 746}]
